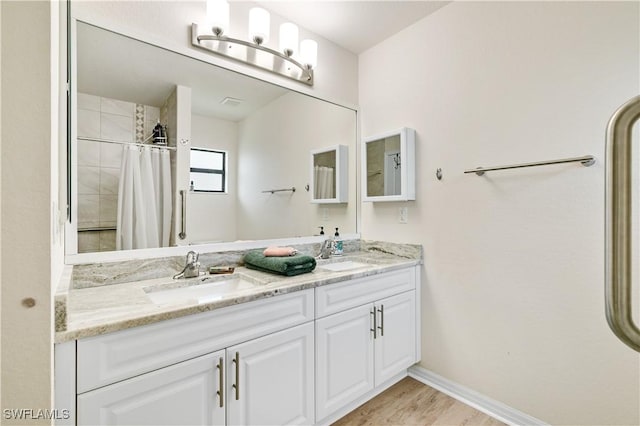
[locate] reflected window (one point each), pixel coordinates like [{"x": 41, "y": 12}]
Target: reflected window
[{"x": 208, "y": 170}]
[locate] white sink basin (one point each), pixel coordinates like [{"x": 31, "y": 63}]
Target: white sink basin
[
  {"x": 344, "y": 266},
  {"x": 200, "y": 293}
]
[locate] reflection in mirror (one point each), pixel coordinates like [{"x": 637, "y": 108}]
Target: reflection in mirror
[
  {"x": 324, "y": 166},
  {"x": 383, "y": 167},
  {"x": 207, "y": 170},
  {"x": 261, "y": 134},
  {"x": 388, "y": 172},
  {"x": 329, "y": 173}
]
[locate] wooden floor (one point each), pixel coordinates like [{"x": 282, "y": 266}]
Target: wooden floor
[{"x": 410, "y": 402}]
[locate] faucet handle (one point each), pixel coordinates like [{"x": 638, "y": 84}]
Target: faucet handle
[{"x": 192, "y": 257}]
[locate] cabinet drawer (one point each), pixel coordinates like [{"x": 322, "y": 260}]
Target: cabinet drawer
[
  {"x": 339, "y": 297},
  {"x": 112, "y": 357},
  {"x": 182, "y": 394}
]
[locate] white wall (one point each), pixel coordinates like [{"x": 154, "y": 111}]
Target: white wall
[
  {"x": 274, "y": 152},
  {"x": 513, "y": 278},
  {"x": 31, "y": 255},
  {"x": 212, "y": 216},
  {"x": 170, "y": 22}
]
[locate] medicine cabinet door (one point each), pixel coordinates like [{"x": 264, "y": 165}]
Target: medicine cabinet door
[
  {"x": 329, "y": 175},
  {"x": 388, "y": 166}
]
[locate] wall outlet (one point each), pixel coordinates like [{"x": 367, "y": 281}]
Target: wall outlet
[
  {"x": 325, "y": 214},
  {"x": 403, "y": 215}
]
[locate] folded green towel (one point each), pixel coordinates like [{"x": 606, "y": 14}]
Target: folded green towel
[{"x": 289, "y": 266}]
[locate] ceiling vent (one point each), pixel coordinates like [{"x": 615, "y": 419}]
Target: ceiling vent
[{"x": 228, "y": 101}]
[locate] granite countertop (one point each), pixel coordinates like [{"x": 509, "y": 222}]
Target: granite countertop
[{"x": 96, "y": 310}]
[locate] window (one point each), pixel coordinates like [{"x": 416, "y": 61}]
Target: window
[{"x": 208, "y": 170}]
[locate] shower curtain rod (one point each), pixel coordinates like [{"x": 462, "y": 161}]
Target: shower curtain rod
[{"x": 83, "y": 138}]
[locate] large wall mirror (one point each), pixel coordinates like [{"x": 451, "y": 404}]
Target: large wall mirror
[{"x": 235, "y": 160}]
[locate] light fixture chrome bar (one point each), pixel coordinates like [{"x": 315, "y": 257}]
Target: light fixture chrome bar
[
  {"x": 306, "y": 73},
  {"x": 150, "y": 145},
  {"x": 618, "y": 224},
  {"x": 586, "y": 161},
  {"x": 292, "y": 189}
]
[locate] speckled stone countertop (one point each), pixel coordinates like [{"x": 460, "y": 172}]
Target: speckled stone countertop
[{"x": 85, "y": 310}]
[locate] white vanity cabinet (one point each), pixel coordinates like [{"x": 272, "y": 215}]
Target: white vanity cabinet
[
  {"x": 265, "y": 381},
  {"x": 258, "y": 368},
  {"x": 306, "y": 357},
  {"x": 186, "y": 393},
  {"x": 270, "y": 380},
  {"x": 361, "y": 348}
]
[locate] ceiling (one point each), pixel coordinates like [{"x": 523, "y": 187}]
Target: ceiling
[
  {"x": 353, "y": 25},
  {"x": 114, "y": 66}
]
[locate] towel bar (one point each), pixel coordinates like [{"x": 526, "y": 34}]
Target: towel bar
[
  {"x": 586, "y": 161},
  {"x": 292, "y": 189}
]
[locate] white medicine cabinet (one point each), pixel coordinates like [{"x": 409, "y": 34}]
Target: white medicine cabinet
[
  {"x": 329, "y": 175},
  {"x": 388, "y": 166}
]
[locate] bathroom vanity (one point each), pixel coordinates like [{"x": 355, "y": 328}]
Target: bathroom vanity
[{"x": 280, "y": 350}]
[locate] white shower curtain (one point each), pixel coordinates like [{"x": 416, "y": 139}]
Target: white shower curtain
[
  {"x": 144, "y": 198},
  {"x": 323, "y": 178}
]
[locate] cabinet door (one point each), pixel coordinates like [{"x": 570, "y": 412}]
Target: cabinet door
[
  {"x": 270, "y": 379},
  {"x": 344, "y": 358},
  {"x": 184, "y": 394},
  {"x": 395, "y": 346}
]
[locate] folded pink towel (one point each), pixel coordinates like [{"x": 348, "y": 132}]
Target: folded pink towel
[{"x": 279, "y": 251}]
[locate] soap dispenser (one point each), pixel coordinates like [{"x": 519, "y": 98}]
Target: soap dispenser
[
  {"x": 337, "y": 241},
  {"x": 321, "y": 230}
]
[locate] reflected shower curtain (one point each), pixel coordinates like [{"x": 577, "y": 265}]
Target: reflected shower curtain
[
  {"x": 323, "y": 178},
  {"x": 144, "y": 199}
]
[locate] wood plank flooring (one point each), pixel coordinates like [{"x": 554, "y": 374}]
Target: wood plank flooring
[{"x": 410, "y": 402}]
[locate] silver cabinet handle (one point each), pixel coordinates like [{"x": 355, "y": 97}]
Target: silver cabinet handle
[
  {"x": 220, "y": 392},
  {"x": 183, "y": 230},
  {"x": 236, "y": 385},
  {"x": 618, "y": 194},
  {"x": 375, "y": 326},
  {"x": 381, "y": 327}
]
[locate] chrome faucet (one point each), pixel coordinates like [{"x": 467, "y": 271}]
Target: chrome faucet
[
  {"x": 191, "y": 268},
  {"x": 326, "y": 250}
]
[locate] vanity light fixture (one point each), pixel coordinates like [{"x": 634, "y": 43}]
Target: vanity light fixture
[{"x": 291, "y": 61}]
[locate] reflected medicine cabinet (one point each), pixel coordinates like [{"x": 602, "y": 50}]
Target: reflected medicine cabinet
[
  {"x": 388, "y": 172},
  {"x": 329, "y": 175}
]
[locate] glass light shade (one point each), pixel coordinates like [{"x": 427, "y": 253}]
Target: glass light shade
[
  {"x": 288, "y": 38},
  {"x": 218, "y": 15},
  {"x": 259, "y": 25},
  {"x": 309, "y": 53}
]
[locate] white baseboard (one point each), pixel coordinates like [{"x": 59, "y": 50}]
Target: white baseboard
[{"x": 480, "y": 402}]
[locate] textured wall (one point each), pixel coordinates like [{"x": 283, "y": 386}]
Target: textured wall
[
  {"x": 211, "y": 216},
  {"x": 293, "y": 125},
  {"x": 29, "y": 132},
  {"x": 514, "y": 261},
  {"x": 170, "y": 21}
]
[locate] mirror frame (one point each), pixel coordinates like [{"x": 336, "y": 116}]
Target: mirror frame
[
  {"x": 407, "y": 171},
  {"x": 70, "y": 226}
]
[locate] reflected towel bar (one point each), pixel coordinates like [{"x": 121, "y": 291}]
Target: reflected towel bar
[
  {"x": 586, "y": 161},
  {"x": 292, "y": 189}
]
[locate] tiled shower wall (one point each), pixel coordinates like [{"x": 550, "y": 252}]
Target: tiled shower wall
[{"x": 99, "y": 163}]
